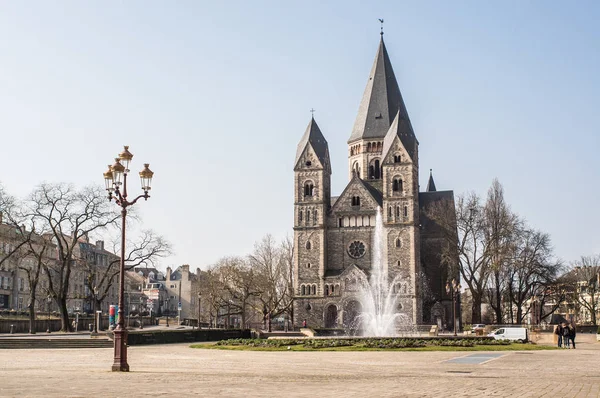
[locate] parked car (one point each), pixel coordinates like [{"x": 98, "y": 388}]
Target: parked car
[
  {"x": 478, "y": 326},
  {"x": 510, "y": 334}
]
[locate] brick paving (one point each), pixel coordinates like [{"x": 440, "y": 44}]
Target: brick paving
[{"x": 177, "y": 370}]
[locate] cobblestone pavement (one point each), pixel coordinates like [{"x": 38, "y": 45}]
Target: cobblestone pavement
[{"x": 177, "y": 370}]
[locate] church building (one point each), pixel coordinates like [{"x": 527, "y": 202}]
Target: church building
[{"x": 333, "y": 235}]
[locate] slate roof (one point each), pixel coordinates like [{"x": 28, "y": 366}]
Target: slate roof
[
  {"x": 381, "y": 100},
  {"x": 431, "y": 183},
  {"x": 377, "y": 195},
  {"x": 318, "y": 142},
  {"x": 400, "y": 127}
]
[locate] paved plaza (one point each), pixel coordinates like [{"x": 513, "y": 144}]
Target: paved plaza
[{"x": 177, "y": 370}]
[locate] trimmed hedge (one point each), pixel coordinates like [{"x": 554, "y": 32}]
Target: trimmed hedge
[
  {"x": 385, "y": 343},
  {"x": 183, "y": 336}
]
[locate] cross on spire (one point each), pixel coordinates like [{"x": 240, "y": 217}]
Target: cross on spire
[
  {"x": 381, "y": 20},
  {"x": 312, "y": 112}
]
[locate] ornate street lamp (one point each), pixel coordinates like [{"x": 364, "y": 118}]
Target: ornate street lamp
[
  {"x": 116, "y": 185},
  {"x": 453, "y": 288}
]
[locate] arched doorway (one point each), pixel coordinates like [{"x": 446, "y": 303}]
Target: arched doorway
[
  {"x": 331, "y": 315},
  {"x": 352, "y": 310}
]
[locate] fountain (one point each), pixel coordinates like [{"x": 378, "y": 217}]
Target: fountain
[{"x": 380, "y": 316}]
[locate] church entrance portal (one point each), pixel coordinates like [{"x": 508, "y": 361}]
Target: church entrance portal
[{"x": 331, "y": 315}]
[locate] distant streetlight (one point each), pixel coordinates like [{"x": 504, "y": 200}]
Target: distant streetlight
[
  {"x": 453, "y": 288},
  {"x": 48, "y": 301},
  {"x": 115, "y": 177},
  {"x": 167, "y": 309}
]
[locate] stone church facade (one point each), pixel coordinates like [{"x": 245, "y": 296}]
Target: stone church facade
[{"x": 333, "y": 235}]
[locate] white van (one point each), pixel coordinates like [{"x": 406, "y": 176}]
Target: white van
[{"x": 509, "y": 334}]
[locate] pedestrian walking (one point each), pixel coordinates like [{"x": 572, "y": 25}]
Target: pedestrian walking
[
  {"x": 572, "y": 333},
  {"x": 558, "y": 333},
  {"x": 565, "y": 336}
]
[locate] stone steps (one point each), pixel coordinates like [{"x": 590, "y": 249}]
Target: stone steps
[{"x": 53, "y": 343}]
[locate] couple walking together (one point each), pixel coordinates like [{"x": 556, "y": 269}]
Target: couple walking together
[{"x": 566, "y": 335}]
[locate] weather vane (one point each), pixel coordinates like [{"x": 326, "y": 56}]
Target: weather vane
[{"x": 381, "y": 20}]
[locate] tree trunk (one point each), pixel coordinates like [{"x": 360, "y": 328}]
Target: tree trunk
[
  {"x": 32, "y": 312},
  {"x": 476, "y": 310},
  {"x": 498, "y": 299},
  {"x": 519, "y": 315},
  {"x": 64, "y": 315}
]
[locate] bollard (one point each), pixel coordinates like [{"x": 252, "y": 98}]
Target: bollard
[
  {"x": 91, "y": 327},
  {"x": 12, "y": 329}
]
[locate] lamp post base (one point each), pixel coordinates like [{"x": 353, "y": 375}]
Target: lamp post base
[{"x": 120, "y": 362}]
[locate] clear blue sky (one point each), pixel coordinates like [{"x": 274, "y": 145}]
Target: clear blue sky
[{"x": 216, "y": 95}]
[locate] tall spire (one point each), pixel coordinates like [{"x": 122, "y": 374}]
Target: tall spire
[
  {"x": 430, "y": 183},
  {"x": 317, "y": 141},
  {"x": 381, "y": 100}
]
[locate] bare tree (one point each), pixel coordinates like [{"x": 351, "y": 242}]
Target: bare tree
[
  {"x": 29, "y": 251},
  {"x": 66, "y": 216},
  {"x": 143, "y": 251},
  {"x": 469, "y": 246},
  {"x": 531, "y": 268},
  {"x": 269, "y": 263},
  {"x": 585, "y": 280},
  {"x": 500, "y": 228}
]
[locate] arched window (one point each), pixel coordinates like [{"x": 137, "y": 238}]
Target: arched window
[
  {"x": 377, "y": 170},
  {"x": 308, "y": 245},
  {"x": 405, "y": 211},
  {"x": 397, "y": 159},
  {"x": 303, "y": 290},
  {"x": 300, "y": 216},
  {"x": 308, "y": 265},
  {"x": 313, "y": 290},
  {"x": 327, "y": 290},
  {"x": 308, "y": 189},
  {"x": 398, "y": 242},
  {"x": 315, "y": 218},
  {"x": 356, "y": 168},
  {"x": 307, "y": 215},
  {"x": 397, "y": 185},
  {"x": 390, "y": 212},
  {"x": 369, "y": 147},
  {"x": 356, "y": 201},
  {"x": 397, "y": 211}
]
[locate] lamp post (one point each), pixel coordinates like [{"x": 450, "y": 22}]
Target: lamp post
[
  {"x": 48, "y": 301},
  {"x": 141, "y": 315},
  {"x": 116, "y": 185},
  {"x": 453, "y": 288},
  {"x": 167, "y": 310}
]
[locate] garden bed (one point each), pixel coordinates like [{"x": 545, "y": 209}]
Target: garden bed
[{"x": 345, "y": 344}]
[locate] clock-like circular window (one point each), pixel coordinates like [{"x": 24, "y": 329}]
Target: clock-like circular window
[{"x": 356, "y": 249}]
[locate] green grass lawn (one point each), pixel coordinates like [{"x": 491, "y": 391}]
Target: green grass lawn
[{"x": 511, "y": 347}]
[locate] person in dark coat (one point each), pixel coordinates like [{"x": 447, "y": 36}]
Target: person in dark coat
[
  {"x": 572, "y": 333},
  {"x": 565, "y": 335},
  {"x": 558, "y": 332}
]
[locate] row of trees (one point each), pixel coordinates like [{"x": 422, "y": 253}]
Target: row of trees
[
  {"x": 256, "y": 288},
  {"x": 503, "y": 261},
  {"x": 44, "y": 232}
]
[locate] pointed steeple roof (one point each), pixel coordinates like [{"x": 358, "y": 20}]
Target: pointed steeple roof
[
  {"x": 400, "y": 128},
  {"x": 315, "y": 138},
  {"x": 430, "y": 183},
  {"x": 381, "y": 100}
]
